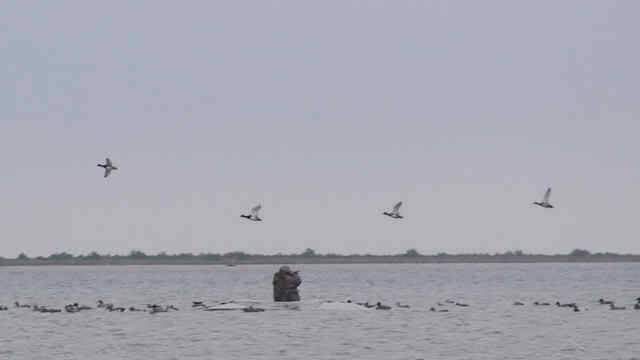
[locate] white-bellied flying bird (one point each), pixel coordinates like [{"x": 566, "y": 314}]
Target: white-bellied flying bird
[
  {"x": 254, "y": 213},
  {"x": 395, "y": 213},
  {"x": 545, "y": 200}
]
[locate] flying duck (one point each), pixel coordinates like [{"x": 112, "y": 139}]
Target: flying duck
[
  {"x": 108, "y": 167},
  {"x": 545, "y": 200},
  {"x": 254, "y": 213},
  {"x": 395, "y": 213}
]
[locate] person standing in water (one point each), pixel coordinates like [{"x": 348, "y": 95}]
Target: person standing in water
[{"x": 285, "y": 285}]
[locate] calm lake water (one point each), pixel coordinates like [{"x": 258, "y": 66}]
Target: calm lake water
[{"x": 490, "y": 328}]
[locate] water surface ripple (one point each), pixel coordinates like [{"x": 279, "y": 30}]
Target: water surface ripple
[{"x": 490, "y": 328}]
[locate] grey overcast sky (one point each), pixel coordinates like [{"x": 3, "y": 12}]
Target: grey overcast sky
[{"x": 327, "y": 113}]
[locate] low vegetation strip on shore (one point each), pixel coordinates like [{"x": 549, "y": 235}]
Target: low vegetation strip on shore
[{"x": 310, "y": 257}]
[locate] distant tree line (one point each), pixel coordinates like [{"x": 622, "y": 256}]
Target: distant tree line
[{"x": 307, "y": 253}]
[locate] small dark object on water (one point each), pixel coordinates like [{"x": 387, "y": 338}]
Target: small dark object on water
[
  {"x": 635, "y": 307},
  {"x": 518, "y": 303},
  {"x": 541, "y": 303},
  {"x": 614, "y": 307},
  {"x": 367, "y": 305},
  {"x": 44, "y": 309},
  {"x": 379, "y": 306},
  {"x": 441, "y": 310},
  {"x": 605, "y": 302},
  {"x": 252, "y": 309},
  {"x": 461, "y": 304},
  {"x": 403, "y": 306},
  {"x": 565, "y": 305},
  {"x": 102, "y": 304}
]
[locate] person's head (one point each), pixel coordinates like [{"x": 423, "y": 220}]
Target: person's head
[{"x": 285, "y": 269}]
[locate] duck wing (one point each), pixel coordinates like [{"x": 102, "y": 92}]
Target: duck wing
[
  {"x": 107, "y": 171},
  {"x": 396, "y": 208},
  {"x": 547, "y": 195},
  {"x": 107, "y": 162},
  {"x": 255, "y": 210}
]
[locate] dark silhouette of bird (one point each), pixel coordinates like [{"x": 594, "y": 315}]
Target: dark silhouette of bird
[
  {"x": 395, "y": 213},
  {"x": 545, "y": 200},
  {"x": 254, "y": 213},
  {"x": 108, "y": 167}
]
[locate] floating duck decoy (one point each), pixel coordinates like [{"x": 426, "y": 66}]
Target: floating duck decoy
[
  {"x": 196, "y": 304},
  {"x": 545, "y": 200},
  {"x": 605, "y": 302},
  {"x": 254, "y": 213},
  {"x": 366, "y": 304},
  {"x": 614, "y": 307},
  {"x": 379, "y": 306},
  {"x": 252, "y": 309},
  {"x": 395, "y": 213},
  {"x": 110, "y": 307},
  {"x": 71, "y": 308},
  {"x": 440, "y": 310},
  {"x": 108, "y": 167},
  {"x": 403, "y": 306},
  {"x": 541, "y": 303},
  {"x": 565, "y": 305},
  {"x": 134, "y": 309},
  {"x": 24, "y": 306},
  {"x": 44, "y": 309},
  {"x": 159, "y": 309},
  {"x": 82, "y": 307},
  {"x": 3, "y": 308},
  {"x": 102, "y": 304}
]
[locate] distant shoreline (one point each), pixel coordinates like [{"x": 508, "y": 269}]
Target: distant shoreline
[{"x": 322, "y": 259}]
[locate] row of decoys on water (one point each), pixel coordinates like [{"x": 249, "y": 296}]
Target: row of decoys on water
[
  {"x": 394, "y": 213},
  {"x": 76, "y": 307},
  {"x": 200, "y": 305},
  {"x": 576, "y": 308}
]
